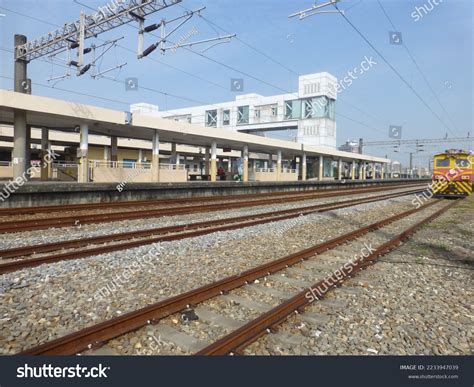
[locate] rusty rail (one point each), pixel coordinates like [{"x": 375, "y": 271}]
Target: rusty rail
[
  {"x": 236, "y": 341},
  {"x": 202, "y": 228},
  {"x": 97, "y": 335},
  {"x": 42, "y": 223}
]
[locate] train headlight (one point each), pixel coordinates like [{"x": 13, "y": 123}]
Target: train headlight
[{"x": 465, "y": 177}]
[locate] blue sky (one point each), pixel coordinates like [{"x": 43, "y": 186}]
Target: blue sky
[{"x": 441, "y": 42}]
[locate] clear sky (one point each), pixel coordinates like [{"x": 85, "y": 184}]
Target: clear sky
[{"x": 440, "y": 42}]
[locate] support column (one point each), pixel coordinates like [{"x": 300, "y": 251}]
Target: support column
[
  {"x": 155, "y": 158},
  {"x": 374, "y": 175},
  {"x": 206, "y": 162},
  {"x": 339, "y": 169},
  {"x": 45, "y": 156},
  {"x": 83, "y": 175},
  {"x": 278, "y": 174},
  {"x": 364, "y": 171},
  {"x": 20, "y": 149},
  {"x": 303, "y": 167},
  {"x": 361, "y": 170},
  {"x": 321, "y": 168},
  {"x": 141, "y": 156},
  {"x": 213, "y": 161},
  {"x": 229, "y": 164},
  {"x": 113, "y": 148},
  {"x": 353, "y": 170},
  {"x": 245, "y": 167},
  {"x": 106, "y": 153},
  {"x": 382, "y": 171}
]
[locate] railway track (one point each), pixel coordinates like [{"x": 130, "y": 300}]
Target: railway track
[
  {"x": 164, "y": 234},
  {"x": 181, "y": 201},
  {"x": 97, "y": 335},
  {"x": 67, "y": 221}
]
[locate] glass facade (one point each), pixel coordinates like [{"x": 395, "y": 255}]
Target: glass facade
[
  {"x": 242, "y": 115},
  {"x": 211, "y": 118},
  {"x": 316, "y": 107},
  {"x": 226, "y": 117}
]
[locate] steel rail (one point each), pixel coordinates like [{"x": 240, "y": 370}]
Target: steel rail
[
  {"x": 96, "y": 335},
  {"x": 156, "y": 202},
  {"x": 242, "y": 337},
  {"x": 81, "y": 242},
  {"x": 41, "y": 224},
  {"x": 260, "y": 219}
]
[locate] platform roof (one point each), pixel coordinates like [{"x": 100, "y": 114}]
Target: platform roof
[{"x": 66, "y": 116}]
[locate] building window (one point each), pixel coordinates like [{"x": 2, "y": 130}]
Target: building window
[
  {"x": 319, "y": 107},
  {"x": 226, "y": 117},
  {"x": 211, "y": 118},
  {"x": 129, "y": 163},
  {"x": 242, "y": 115},
  {"x": 274, "y": 111},
  {"x": 293, "y": 109},
  {"x": 257, "y": 113}
]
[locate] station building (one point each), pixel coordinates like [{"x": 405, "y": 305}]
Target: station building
[{"x": 215, "y": 142}]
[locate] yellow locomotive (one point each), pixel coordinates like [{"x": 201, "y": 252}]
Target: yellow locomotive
[{"x": 453, "y": 173}]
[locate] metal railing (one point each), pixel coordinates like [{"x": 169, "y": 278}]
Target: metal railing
[
  {"x": 265, "y": 170},
  {"x": 119, "y": 164},
  {"x": 173, "y": 167}
]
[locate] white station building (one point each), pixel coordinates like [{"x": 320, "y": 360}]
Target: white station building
[{"x": 310, "y": 111}]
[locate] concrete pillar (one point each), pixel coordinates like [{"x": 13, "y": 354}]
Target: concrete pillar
[
  {"x": 83, "y": 173},
  {"x": 141, "y": 155},
  {"x": 20, "y": 146},
  {"x": 339, "y": 169},
  {"x": 213, "y": 161},
  {"x": 114, "y": 148},
  {"x": 278, "y": 174},
  {"x": 178, "y": 159},
  {"x": 373, "y": 171},
  {"x": 353, "y": 170},
  {"x": 106, "y": 153},
  {"x": 382, "y": 171},
  {"x": 245, "y": 166},
  {"x": 45, "y": 156},
  {"x": 364, "y": 171},
  {"x": 206, "y": 162},
  {"x": 229, "y": 165},
  {"x": 303, "y": 167},
  {"x": 155, "y": 158},
  {"x": 265, "y": 164},
  {"x": 321, "y": 168}
]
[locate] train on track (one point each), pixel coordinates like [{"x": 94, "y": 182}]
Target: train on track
[{"x": 453, "y": 173}]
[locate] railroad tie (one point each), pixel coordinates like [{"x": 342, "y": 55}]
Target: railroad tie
[
  {"x": 248, "y": 303},
  {"x": 213, "y": 318},
  {"x": 182, "y": 340}
]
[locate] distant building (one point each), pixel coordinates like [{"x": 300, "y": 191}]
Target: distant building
[
  {"x": 350, "y": 146},
  {"x": 311, "y": 111}
]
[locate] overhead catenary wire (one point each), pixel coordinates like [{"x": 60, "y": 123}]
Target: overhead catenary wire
[
  {"x": 418, "y": 67},
  {"x": 400, "y": 76}
]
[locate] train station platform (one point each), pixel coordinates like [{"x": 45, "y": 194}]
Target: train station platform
[{"x": 57, "y": 193}]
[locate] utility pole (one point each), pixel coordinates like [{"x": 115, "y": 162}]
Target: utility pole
[{"x": 21, "y": 146}]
